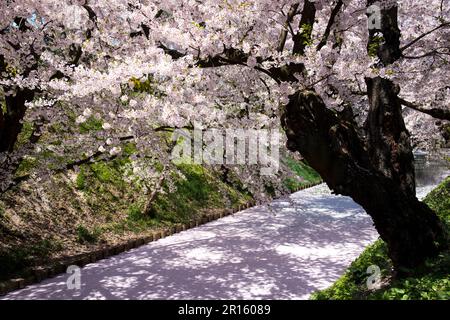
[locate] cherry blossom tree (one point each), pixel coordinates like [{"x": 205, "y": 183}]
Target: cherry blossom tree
[{"x": 339, "y": 74}]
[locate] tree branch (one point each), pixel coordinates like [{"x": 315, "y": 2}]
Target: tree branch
[
  {"x": 283, "y": 36},
  {"x": 303, "y": 36},
  {"x": 434, "y": 112},
  {"x": 423, "y": 36}
]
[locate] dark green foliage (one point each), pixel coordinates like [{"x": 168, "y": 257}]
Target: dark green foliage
[
  {"x": 26, "y": 166},
  {"x": 135, "y": 213},
  {"x": 374, "y": 45},
  {"x": 353, "y": 284},
  {"x": 197, "y": 185},
  {"x": 85, "y": 235},
  {"x": 91, "y": 124},
  {"x": 114, "y": 205},
  {"x": 199, "y": 189},
  {"x": 270, "y": 189},
  {"x": 24, "y": 135},
  {"x": 292, "y": 184},
  {"x": 439, "y": 201},
  {"x": 81, "y": 179},
  {"x": 129, "y": 149},
  {"x": 136, "y": 220}
]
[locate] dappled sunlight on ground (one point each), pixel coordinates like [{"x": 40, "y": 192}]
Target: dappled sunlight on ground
[{"x": 286, "y": 250}]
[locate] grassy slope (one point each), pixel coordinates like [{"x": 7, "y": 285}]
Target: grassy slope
[
  {"x": 301, "y": 170},
  {"x": 98, "y": 206},
  {"x": 430, "y": 282}
]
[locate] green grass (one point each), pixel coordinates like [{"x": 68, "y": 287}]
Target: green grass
[
  {"x": 304, "y": 174},
  {"x": 80, "y": 182},
  {"x": 104, "y": 186},
  {"x": 116, "y": 205},
  {"x": 26, "y": 166},
  {"x": 129, "y": 149},
  {"x": 198, "y": 189},
  {"x": 136, "y": 221},
  {"x": 85, "y": 236},
  {"x": 24, "y": 135},
  {"x": 429, "y": 282},
  {"x": 105, "y": 172},
  {"x": 3, "y": 106},
  {"x": 292, "y": 184},
  {"x": 439, "y": 201},
  {"x": 91, "y": 124},
  {"x": 195, "y": 190}
]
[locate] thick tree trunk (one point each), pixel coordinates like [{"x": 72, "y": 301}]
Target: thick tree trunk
[
  {"x": 302, "y": 38},
  {"x": 388, "y": 140},
  {"x": 387, "y": 48},
  {"x": 382, "y": 186}
]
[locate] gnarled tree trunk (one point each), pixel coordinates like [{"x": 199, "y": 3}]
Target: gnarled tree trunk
[
  {"x": 379, "y": 178},
  {"x": 11, "y": 120}
]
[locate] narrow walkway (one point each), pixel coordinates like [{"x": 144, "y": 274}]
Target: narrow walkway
[{"x": 287, "y": 250}]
